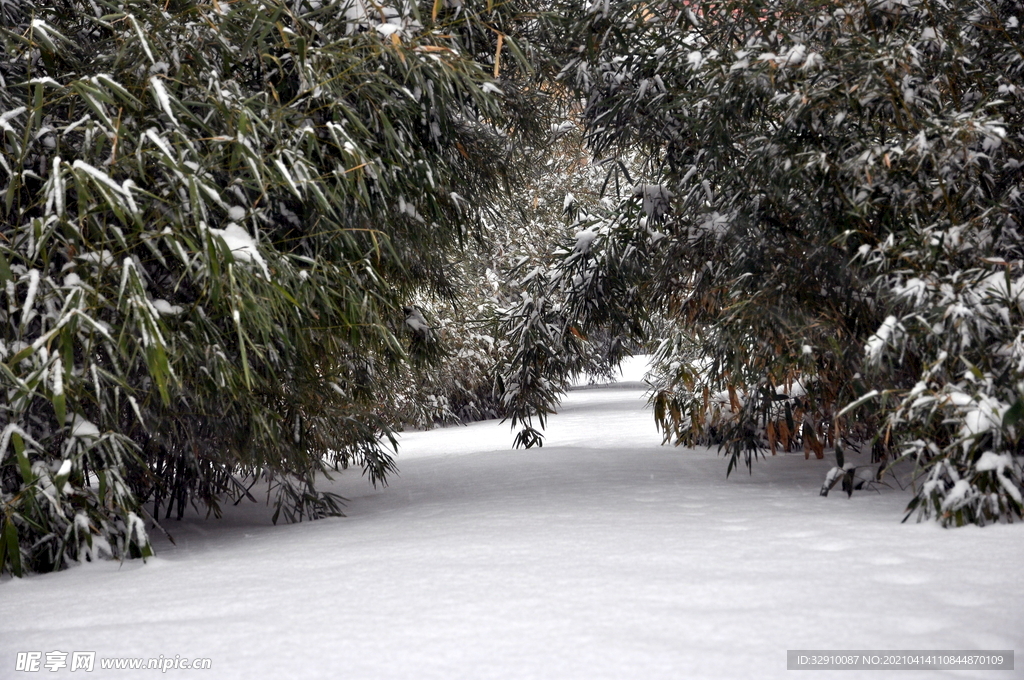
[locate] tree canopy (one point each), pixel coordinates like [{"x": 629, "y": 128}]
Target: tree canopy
[
  {"x": 243, "y": 241},
  {"x": 213, "y": 217},
  {"x": 828, "y": 215}
]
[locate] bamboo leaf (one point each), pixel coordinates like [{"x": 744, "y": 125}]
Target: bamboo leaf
[
  {"x": 59, "y": 407},
  {"x": 11, "y": 553},
  {"x": 859, "y": 402},
  {"x": 1014, "y": 414},
  {"x": 5, "y": 271},
  {"x": 27, "y": 477}
]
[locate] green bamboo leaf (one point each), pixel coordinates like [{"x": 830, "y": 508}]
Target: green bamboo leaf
[
  {"x": 159, "y": 369},
  {"x": 92, "y": 96},
  {"x": 13, "y": 188},
  {"x": 67, "y": 336},
  {"x": 521, "y": 58},
  {"x": 287, "y": 295},
  {"x": 101, "y": 474},
  {"x": 862, "y": 400},
  {"x": 41, "y": 35},
  {"x": 23, "y": 354},
  {"x": 11, "y": 553},
  {"x": 1014, "y": 414},
  {"x": 126, "y": 96},
  {"x": 59, "y": 407},
  {"x": 5, "y": 271},
  {"x": 24, "y": 465}
]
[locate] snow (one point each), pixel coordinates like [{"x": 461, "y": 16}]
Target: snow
[
  {"x": 631, "y": 373},
  {"x": 161, "y": 96},
  {"x": 656, "y": 198},
  {"x": 601, "y": 555},
  {"x": 388, "y": 29},
  {"x": 1003, "y": 288},
  {"x": 242, "y": 246},
  {"x": 414, "y": 319},
  {"x": 977, "y": 414},
  {"x": 57, "y": 377},
  {"x": 890, "y": 329},
  {"x": 82, "y": 428},
  {"x": 165, "y": 307},
  {"x": 715, "y": 223},
  {"x": 30, "y": 296},
  {"x": 10, "y": 115},
  {"x": 958, "y": 496},
  {"x": 993, "y": 462},
  {"x": 584, "y": 240},
  {"x": 142, "y": 39},
  {"x": 100, "y": 176}
]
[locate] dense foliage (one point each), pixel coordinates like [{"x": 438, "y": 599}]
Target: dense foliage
[
  {"x": 520, "y": 229},
  {"x": 213, "y": 216},
  {"x": 829, "y": 217},
  {"x": 245, "y": 241}
]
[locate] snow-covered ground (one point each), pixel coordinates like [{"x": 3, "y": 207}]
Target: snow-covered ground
[
  {"x": 602, "y": 555},
  {"x": 631, "y": 373}
]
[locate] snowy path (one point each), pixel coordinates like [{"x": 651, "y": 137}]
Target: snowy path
[{"x": 602, "y": 555}]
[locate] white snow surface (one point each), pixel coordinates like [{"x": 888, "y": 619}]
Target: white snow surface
[
  {"x": 630, "y": 373},
  {"x": 601, "y": 555}
]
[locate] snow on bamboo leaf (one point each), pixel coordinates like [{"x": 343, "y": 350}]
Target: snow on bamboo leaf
[
  {"x": 242, "y": 246},
  {"x": 163, "y": 99},
  {"x": 888, "y": 334},
  {"x": 100, "y": 176},
  {"x": 142, "y": 38}
]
